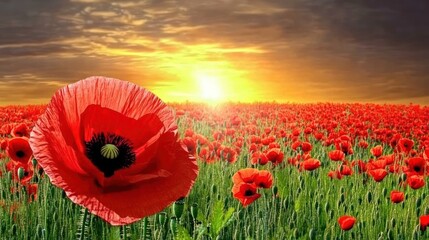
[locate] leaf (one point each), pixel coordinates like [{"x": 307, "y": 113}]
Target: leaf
[
  {"x": 182, "y": 233},
  {"x": 219, "y": 218}
]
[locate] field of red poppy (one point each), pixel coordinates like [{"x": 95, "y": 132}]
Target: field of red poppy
[{"x": 266, "y": 171}]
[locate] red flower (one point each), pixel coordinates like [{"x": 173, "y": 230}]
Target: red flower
[
  {"x": 417, "y": 166},
  {"x": 336, "y": 155},
  {"x": 346, "y": 170},
  {"x": 346, "y": 222},
  {"x": 19, "y": 150},
  {"x": 20, "y": 130},
  {"x": 264, "y": 179},
  {"x": 27, "y": 171},
  {"x": 335, "y": 174},
  {"x": 405, "y": 145},
  {"x": 377, "y": 151},
  {"x": 31, "y": 191},
  {"x": 190, "y": 144},
  {"x": 245, "y": 193},
  {"x": 246, "y": 175},
  {"x": 396, "y": 196},
  {"x": 424, "y": 222},
  {"x": 378, "y": 174},
  {"x": 363, "y": 144},
  {"x": 3, "y": 144},
  {"x": 415, "y": 181},
  {"x": 112, "y": 146},
  {"x": 306, "y": 147},
  {"x": 310, "y": 164},
  {"x": 275, "y": 156},
  {"x": 259, "y": 158}
]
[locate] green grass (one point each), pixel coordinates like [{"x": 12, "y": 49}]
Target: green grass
[{"x": 307, "y": 206}]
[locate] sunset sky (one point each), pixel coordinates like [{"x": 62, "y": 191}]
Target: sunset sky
[{"x": 232, "y": 50}]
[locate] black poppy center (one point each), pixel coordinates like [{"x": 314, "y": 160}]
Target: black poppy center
[
  {"x": 110, "y": 152},
  {"x": 417, "y": 168},
  {"x": 248, "y": 193},
  {"x": 20, "y": 153}
]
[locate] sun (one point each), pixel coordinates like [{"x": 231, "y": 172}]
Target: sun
[{"x": 210, "y": 87}]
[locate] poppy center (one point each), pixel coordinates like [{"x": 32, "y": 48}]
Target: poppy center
[
  {"x": 110, "y": 152},
  {"x": 20, "y": 153},
  {"x": 417, "y": 168},
  {"x": 248, "y": 193}
]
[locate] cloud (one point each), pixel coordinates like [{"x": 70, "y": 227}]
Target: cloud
[{"x": 301, "y": 50}]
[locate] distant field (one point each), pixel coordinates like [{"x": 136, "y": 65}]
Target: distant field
[{"x": 326, "y": 161}]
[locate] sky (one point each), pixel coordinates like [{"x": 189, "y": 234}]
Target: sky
[{"x": 210, "y": 50}]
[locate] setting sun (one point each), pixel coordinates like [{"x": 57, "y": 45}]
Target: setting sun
[{"x": 209, "y": 86}]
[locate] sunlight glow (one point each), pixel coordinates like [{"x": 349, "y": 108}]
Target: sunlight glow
[{"x": 210, "y": 86}]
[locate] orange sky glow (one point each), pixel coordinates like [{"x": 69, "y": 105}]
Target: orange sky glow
[{"x": 216, "y": 51}]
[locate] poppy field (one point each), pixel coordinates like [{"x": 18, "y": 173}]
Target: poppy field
[{"x": 265, "y": 171}]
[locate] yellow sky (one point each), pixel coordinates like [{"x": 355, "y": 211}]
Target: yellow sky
[{"x": 198, "y": 50}]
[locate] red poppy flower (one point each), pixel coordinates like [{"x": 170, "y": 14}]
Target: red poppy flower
[
  {"x": 396, "y": 196},
  {"x": 336, "y": 155},
  {"x": 190, "y": 144},
  {"x": 405, "y": 145},
  {"x": 264, "y": 179},
  {"x": 296, "y": 145},
  {"x": 415, "y": 181},
  {"x": 377, "y": 151},
  {"x": 417, "y": 165},
  {"x": 424, "y": 222},
  {"x": 246, "y": 193},
  {"x": 363, "y": 144},
  {"x": 345, "y": 170},
  {"x": 335, "y": 174},
  {"x": 259, "y": 158},
  {"x": 20, "y": 130},
  {"x": 306, "y": 147},
  {"x": 19, "y": 150},
  {"x": 378, "y": 174},
  {"x": 310, "y": 164},
  {"x": 3, "y": 144},
  {"x": 112, "y": 146},
  {"x": 27, "y": 171},
  {"x": 346, "y": 222},
  {"x": 31, "y": 191},
  {"x": 275, "y": 156},
  {"x": 246, "y": 175}
]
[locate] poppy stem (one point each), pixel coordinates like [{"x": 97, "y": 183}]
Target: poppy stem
[{"x": 82, "y": 232}]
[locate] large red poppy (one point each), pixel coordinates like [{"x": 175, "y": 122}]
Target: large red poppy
[{"x": 112, "y": 146}]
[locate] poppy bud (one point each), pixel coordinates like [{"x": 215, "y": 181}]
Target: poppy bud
[
  {"x": 384, "y": 191},
  {"x": 162, "y": 218},
  {"x": 21, "y": 173},
  {"x": 312, "y": 234},
  {"x": 178, "y": 207},
  {"x": 392, "y": 223},
  {"x": 275, "y": 190},
  {"x": 418, "y": 202},
  {"x": 173, "y": 225},
  {"x": 194, "y": 211},
  {"x": 369, "y": 197},
  {"x": 403, "y": 177},
  {"x": 327, "y": 206},
  {"x": 34, "y": 162},
  {"x": 214, "y": 188}
]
